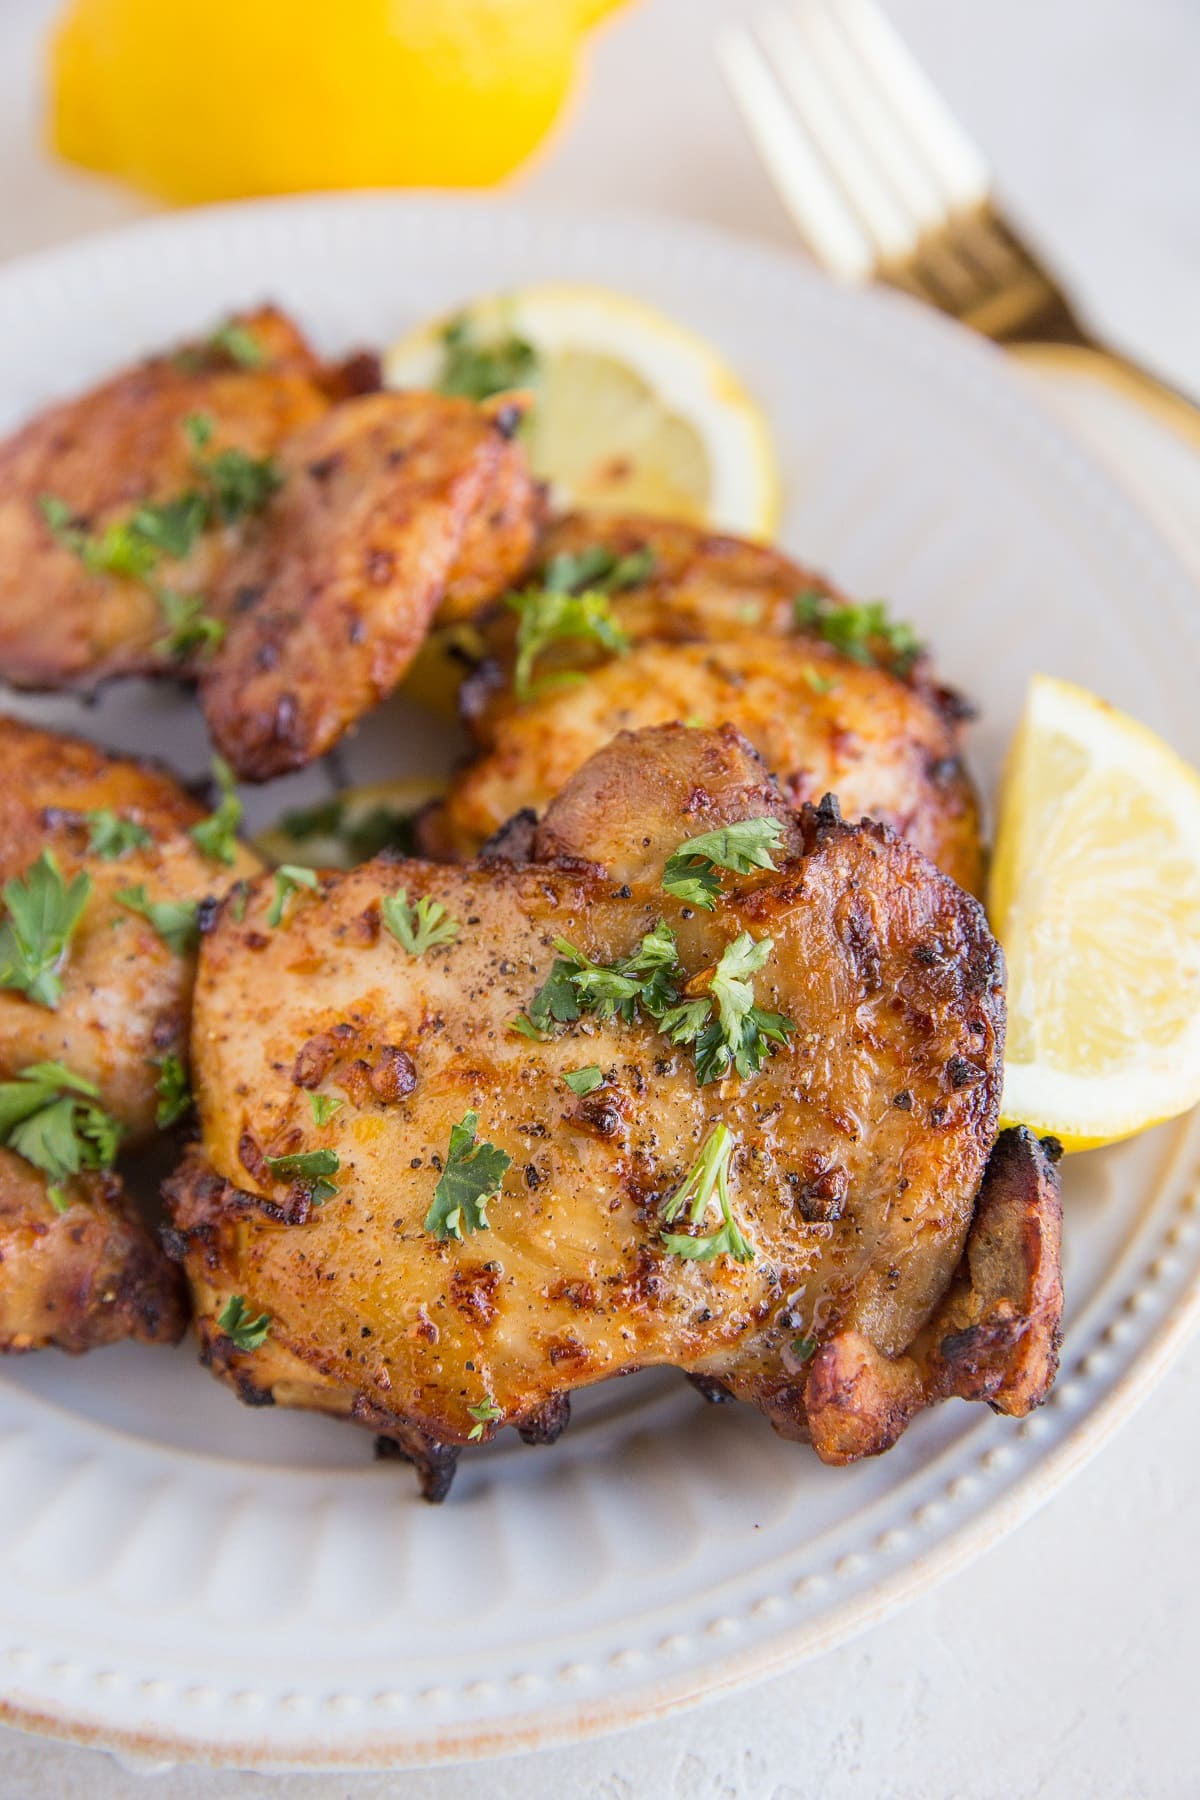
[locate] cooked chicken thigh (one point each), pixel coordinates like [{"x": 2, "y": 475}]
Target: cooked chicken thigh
[
  {"x": 91, "y": 989},
  {"x": 239, "y": 513},
  {"x": 65, "y": 621},
  {"x": 374, "y": 1078},
  {"x": 712, "y": 638},
  {"x": 389, "y": 507}
]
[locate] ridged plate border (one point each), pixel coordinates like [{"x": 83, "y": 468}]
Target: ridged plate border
[{"x": 911, "y": 454}]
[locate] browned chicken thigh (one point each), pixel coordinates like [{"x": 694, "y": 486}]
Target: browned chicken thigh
[
  {"x": 236, "y": 512},
  {"x": 103, "y": 883},
  {"x": 710, "y": 634},
  {"x": 475, "y": 1137}
]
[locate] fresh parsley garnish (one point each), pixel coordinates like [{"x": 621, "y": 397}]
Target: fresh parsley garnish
[
  {"x": 475, "y": 368},
  {"x": 239, "y": 344},
  {"x": 235, "y": 483},
  {"x": 120, "y": 549},
  {"x": 691, "y": 873},
  {"x": 573, "y": 602},
  {"x": 111, "y": 837},
  {"x": 708, "y": 1174},
  {"x": 43, "y": 911},
  {"x": 324, "y": 1106},
  {"x": 288, "y": 877},
  {"x": 857, "y": 630},
  {"x": 818, "y": 683},
  {"x": 235, "y": 1321},
  {"x": 421, "y": 927},
  {"x": 174, "y": 1094},
  {"x": 176, "y": 921},
  {"x": 216, "y": 836},
  {"x": 470, "y": 1180},
  {"x": 739, "y": 1034},
  {"x": 723, "y": 1025},
  {"x": 804, "y": 1348},
  {"x": 50, "y": 1117},
  {"x": 584, "y": 1081},
  {"x": 191, "y": 631},
  {"x": 312, "y": 1167},
  {"x": 484, "y": 1414}
]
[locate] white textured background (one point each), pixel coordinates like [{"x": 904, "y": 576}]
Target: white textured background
[{"x": 1064, "y": 1664}]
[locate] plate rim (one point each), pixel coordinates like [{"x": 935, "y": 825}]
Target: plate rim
[{"x": 574, "y": 1721}]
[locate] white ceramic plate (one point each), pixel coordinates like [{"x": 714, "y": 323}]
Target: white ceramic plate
[{"x": 179, "y": 1576}]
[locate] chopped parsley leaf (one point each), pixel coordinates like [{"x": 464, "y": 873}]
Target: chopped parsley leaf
[
  {"x": 324, "y": 1106},
  {"x": 819, "y": 684},
  {"x": 235, "y": 1321},
  {"x": 288, "y": 877},
  {"x": 584, "y": 1081},
  {"x": 239, "y": 344},
  {"x": 691, "y": 873},
  {"x": 174, "y": 1094},
  {"x": 475, "y": 368},
  {"x": 740, "y": 1033},
  {"x": 112, "y": 837},
  {"x": 572, "y": 602},
  {"x": 50, "y": 1118},
  {"x": 857, "y": 630},
  {"x": 484, "y": 1414},
  {"x": 471, "y": 1179},
  {"x": 419, "y": 928},
  {"x": 312, "y": 1167},
  {"x": 708, "y": 1174},
  {"x": 190, "y": 630},
  {"x": 43, "y": 912},
  {"x": 362, "y": 835},
  {"x": 174, "y": 920},
  {"x": 804, "y": 1348},
  {"x": 216, "y": 836}
]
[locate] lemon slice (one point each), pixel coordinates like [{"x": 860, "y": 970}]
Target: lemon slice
[
  {"x": 631, "y": 413},
  {"x": 1095, "y": 895}
]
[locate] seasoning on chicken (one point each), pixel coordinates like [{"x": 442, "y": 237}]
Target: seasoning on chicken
[
  {"x": 701, "y": 1081},
  {"x": 240, "y": 514},
  {"x": 106, "y": 865},
  {"x": 669, "y": 623}
]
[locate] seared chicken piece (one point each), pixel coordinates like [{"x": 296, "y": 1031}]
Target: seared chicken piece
[
  {"x": 91, "y": 1273},
  {"x": 713, "y": 639},
  {"x": 126, "y": 993},
  {"x": 390, "y": 506},
  {"x": 252, "y": 518},
  {"x": 84, "y": 1277},
  {"x": 854, "y": 1159},
  {"x": 107, "y": 453}
]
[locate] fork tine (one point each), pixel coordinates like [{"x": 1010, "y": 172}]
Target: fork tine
[
  {"x": 958, "y": 163},
  {"x": 835, "y": 137},
  {"x": 813, "y": 200},
  {"x": 862, "y": 99}
]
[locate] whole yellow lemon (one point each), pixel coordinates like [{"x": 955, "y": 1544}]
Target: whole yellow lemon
[{"x": 211, "y": 99}]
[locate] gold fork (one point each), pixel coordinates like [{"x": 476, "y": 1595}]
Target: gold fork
[{"x": 885, "y": 185}]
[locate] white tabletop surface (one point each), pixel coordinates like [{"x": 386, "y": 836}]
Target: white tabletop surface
[{"x": 1064, "y": 1663}]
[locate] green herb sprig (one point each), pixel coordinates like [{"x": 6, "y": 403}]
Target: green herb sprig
[
  {"x": 470, "y": 1180},
  {"x": 51, "y": 1118},
  {"x": 176, "y": 921},
  {"x": 216, "y": 836},
  {"x": 573, "y": 603},
  {"x": 43, "y": 911},
  {"x": 858, "y": 631},
  {"x": 709, "y": 1174},
  {"x": 691, "y": 873},
  {"x": 174, "y": 1093},
  {"x": 420, "y": 927},
  {"x": 110, "y": 837},
  {"x": 235, "y": 1321}
]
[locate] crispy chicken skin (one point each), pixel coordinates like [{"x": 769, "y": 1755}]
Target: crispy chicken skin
[
  {"x": 126, "y": 998},
  {"x": 713, "y": 639},
  {"x": 389, "y": 504},
  {"x": 861, "y": 1145},
  {"x": 78, "y": 1279},
  {"x": 104, "y": 454},
  {"x": 392, "y": 507}
]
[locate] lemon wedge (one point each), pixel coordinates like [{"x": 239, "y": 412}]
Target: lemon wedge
[
  {"x": 1095, "y": 896},
  {"x": 631, "y": 413}
]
